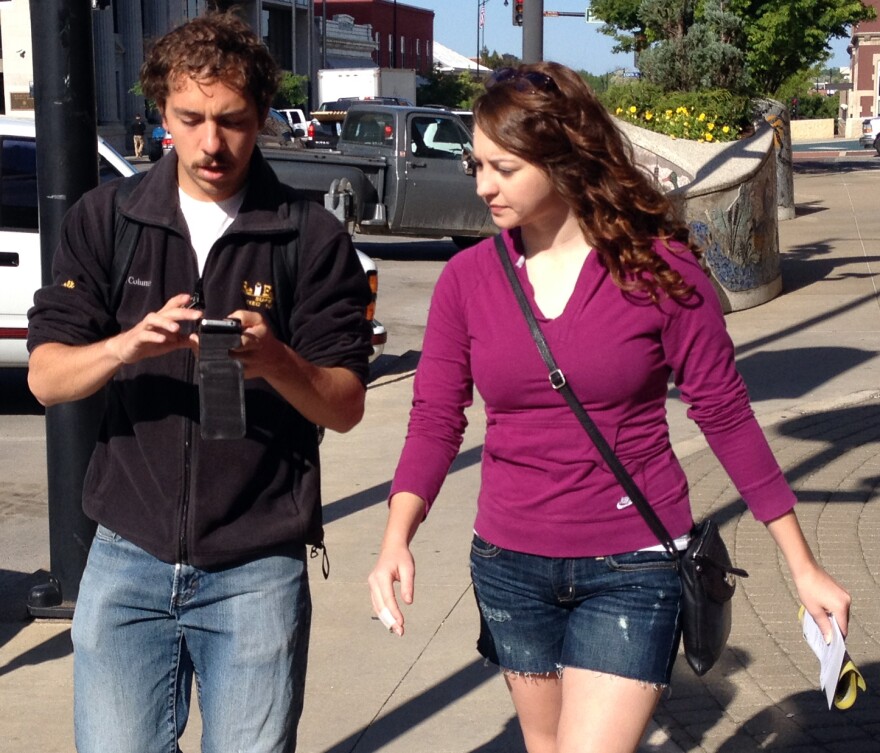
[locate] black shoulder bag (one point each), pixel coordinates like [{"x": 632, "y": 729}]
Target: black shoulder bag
[{"x": 707, "y": 576}]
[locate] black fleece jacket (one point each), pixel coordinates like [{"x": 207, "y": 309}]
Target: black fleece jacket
[{"x": 152, "y": 479}]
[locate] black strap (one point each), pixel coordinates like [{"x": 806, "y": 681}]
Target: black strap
[
  {"x": 559, "y": 383},
  {"x": 285, "y": 264},
  {"x": 126, "y": 235}
]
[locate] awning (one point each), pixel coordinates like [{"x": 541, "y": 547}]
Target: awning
[{"x": 338, "y": 62}]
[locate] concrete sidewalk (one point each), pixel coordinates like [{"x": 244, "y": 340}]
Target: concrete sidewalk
[{"x": 810, "y": 358}]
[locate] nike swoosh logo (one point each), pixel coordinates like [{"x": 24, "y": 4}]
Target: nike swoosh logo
[{"x": 623, "y": 503}]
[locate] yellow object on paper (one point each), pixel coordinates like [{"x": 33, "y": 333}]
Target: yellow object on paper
[{"x": 838, "y": 676}]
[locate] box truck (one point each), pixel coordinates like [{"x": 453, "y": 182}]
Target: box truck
[{"x": 366, "y": 83}]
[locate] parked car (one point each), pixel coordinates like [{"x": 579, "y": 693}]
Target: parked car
[
  {"x": 20, "y": 260},
  {"x": 870, "y": 137}
]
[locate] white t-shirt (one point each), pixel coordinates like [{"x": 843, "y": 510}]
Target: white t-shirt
[{"x": 208, "y": 220}]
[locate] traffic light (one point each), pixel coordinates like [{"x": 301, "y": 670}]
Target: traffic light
[{"x": 518, "y": 13}]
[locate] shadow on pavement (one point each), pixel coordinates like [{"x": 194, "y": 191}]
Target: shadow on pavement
[
  {"x": 56, "y": 647},
  {"x": 429, "y": 703},
  {"x": 15, "y": 397},
  {"x": 804, "y": 265},
  {"x": 796, "y": 372},
  {"x": 378, "y": 494},
  {"x": 801, "y": 722}
]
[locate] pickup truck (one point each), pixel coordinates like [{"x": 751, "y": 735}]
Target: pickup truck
[{"x": 397, "y": 170}]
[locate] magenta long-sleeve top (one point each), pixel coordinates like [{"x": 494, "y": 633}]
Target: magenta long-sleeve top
[{"x": 544, "y": 487}]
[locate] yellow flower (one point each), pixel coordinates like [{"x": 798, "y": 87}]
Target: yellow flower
[
  {"x": 632, "y": 109},
  {"x": 710, "y": 126},
  {"x": 708, "y": 136},
  {"x": 649, "y": 115},
  {"x": 701, "y": 117},
  {"x": 726, "y": 129},
  {"x": 669, "y": 113},
  {"x": 618, "y": 111}
]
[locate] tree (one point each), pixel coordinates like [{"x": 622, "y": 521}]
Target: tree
[
  {"x": 292, "y": 90},
  {"x": 782, "y": 37},
  {"x": 457, "y": 91},
  {"x": 694, "y": 51},
  {"x": 788, "y": 36},
  {"x": 495, "y": 61}
]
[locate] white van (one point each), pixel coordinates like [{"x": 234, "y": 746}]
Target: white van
[{"x": 20, "y": 264}]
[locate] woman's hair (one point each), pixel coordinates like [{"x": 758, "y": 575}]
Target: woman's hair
[
  {"x": 214, "y": 47},
  {"x": 547, "y": 115}
]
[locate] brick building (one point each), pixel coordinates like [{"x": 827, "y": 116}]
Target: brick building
[
  {"x": 404, "y": 35},
  {"x": 864, "y": 99}
]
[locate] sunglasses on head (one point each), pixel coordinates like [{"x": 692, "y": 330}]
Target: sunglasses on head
[{"x": 523, "y": 81}]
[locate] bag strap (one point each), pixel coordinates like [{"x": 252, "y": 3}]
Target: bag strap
[
  {"x": 285, "y": 263},
  {"x": 559, "y": 383},
  {"x": 126, "y": 235}
]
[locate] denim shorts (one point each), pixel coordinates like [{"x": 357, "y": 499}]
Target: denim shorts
[{"x": 616, "y": 614}]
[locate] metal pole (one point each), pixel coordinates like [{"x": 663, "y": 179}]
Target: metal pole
[
  {"x": 533, "y": 31},
  {"x": 478, "y": 37},
  {"x": 67, "y": 167}
]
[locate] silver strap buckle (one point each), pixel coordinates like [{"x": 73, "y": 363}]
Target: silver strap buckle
[{"x": 557, "y": 379}]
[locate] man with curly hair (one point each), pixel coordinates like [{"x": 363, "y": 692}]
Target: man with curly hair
[{"x": 198, "y": 566}]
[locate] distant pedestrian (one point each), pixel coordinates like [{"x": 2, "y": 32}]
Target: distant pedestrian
[
  {"x": 579, "y": 604},
  {"x": 138, "y": 129}
]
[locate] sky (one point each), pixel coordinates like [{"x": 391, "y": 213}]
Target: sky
[{"x": 567, "y": 40}]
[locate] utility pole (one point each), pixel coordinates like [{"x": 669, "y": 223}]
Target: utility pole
[
  {"x": 533, "y": 31},
  {"x": 67, "y": 167}
]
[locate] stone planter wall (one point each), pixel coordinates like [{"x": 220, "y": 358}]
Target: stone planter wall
[{"x": 728, "y": 195}]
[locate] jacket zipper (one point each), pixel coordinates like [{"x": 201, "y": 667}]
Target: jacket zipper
[{"x": 196, "y": 301}]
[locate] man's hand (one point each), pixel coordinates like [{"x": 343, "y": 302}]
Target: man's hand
[
  {"x": 157, "y": 333},
  {"x": 58, "y": 373},
  {"x": 261, "y": 353},
  {"x": 328, "y": 396}
]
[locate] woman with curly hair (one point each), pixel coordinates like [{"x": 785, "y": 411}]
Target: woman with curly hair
[{"x": 579, "y": 605}]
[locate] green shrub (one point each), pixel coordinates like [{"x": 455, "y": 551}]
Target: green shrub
[
  {"x": 816, "y": 106},
  {"x": 711, "y": 115}
]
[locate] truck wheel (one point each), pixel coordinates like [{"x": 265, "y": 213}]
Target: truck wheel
[
  {"x": 877, "y": 145},
  {"x": 464, "y": 241}
]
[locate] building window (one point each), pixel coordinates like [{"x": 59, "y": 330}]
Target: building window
[
  {"x": 390, "y": 51},
  {"x": 402, "y": 53}
]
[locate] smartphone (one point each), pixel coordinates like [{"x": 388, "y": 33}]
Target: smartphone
[{"x": 220, "y": 326}]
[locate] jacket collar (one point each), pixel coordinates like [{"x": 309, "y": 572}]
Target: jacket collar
[{"x": 265, "y": 210}]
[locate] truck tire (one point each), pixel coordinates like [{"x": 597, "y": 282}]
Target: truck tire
[{"x": 877, "y": 145}]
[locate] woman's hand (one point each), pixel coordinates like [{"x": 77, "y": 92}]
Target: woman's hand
[
  {"x": 820, "y": 594},
  {"x": 395, "y": 563}
]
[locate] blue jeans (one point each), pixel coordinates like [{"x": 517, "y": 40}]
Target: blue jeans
[
  {"x": 142, "y": 628},
  {"x": 616, "y": 614}
]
